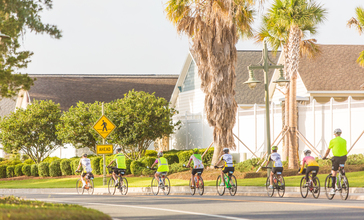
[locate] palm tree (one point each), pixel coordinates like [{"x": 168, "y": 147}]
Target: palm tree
[
  {"x": 214, "y": 27},
  {"x": 358, "y": 22},
  {"x": 288, "y": 21}
]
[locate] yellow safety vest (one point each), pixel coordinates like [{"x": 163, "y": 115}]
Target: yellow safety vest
[{"x": 162, "y": 165}]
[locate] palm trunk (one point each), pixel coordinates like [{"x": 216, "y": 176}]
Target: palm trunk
[{"x": 286, "y": 145}]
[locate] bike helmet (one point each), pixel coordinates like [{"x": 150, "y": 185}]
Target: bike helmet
[
  {"x": 195, "y": 150},
  {"x": 84, "y": 155},
  {"x": 337, "y": 131},
  {"x": 274, "y": 148},
  {"x": 118, "y": 149},
  {"x": 160, "y": 154},
  {"x": 226, "y": 150},
  {"x": 307, "y": 152}
]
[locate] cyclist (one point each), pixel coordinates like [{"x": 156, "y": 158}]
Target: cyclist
[
  {"x": 163, "y": 167},
  {"x": 277, "y": 166},
  {"x": 197, "y": 165},
  {"x": 311, "y": 164},
  {"x": 229, "y": 165},
  {"x": 86, "y": 164},
  {"x": 119, "y": 158},
  {"x": 338, "y": 146}
]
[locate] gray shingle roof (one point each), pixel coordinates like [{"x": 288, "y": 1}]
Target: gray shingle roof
[{"x": 7, "y": 105}]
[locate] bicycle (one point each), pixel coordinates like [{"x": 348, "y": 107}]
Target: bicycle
[
  {"x": 312, "y": 185},
  {"x": 341, "y": 185},
  {"x": 199, "y": 184},
  {"x": 122, "y": 183},
  {"x": 230, "y": 183},
  {"x": 163, "y": 184},
  {"x": 279, "y": 185},
  {"x": 89, "y": 187}
]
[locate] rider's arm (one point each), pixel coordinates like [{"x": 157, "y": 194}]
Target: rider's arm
[
  {"x": 111, "y": 162},
  {"x": 154, "y": 164},
  {"x": 189, "y": 162},
  {"x": 268, "y": 160},
  {"x": 327, "y": 153},
  {"x": 79, "y": 165}
]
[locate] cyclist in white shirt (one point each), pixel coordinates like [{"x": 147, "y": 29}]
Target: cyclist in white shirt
[
  {"x": 197, "y": 164},
  {"x": 277, "y": 165},
  {"x": 86, "y": 164},
  {"x": 229, "y": 164}
]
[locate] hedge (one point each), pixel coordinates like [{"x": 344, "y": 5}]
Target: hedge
[
  {"x": 26, "y": 169},
  {"x": 95, "y": 165},
  {"x": 184, "y": 156},
  {"x": 248, "y": 165},
  {"x": 34, "y": 170},
  {"x": 10, "y": 171},
  {"x": 66, "y": 167},
  {"x": 55, "y": 168},
  {"x": 150, "y": 153},
  {"x": 171, "y": 158},
  {"x": 43, "y": 169},
  {"x": 207, "y": 158},
  {"x": 3, "y": 171},
  {"x": 74, "y": 164},
  {"x": 51, "y": 159},
  {"x": 177, "y": 167},
  {"x": 17, "y": 170},
  {"x": 148, "y": 161},
  {"x": 108, "y": 160},
  {"x": 29, "y": 161},
  {"x": 136, "y": 167},
  {"x": 128, "y": 163}
]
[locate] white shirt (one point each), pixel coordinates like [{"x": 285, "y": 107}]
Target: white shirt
[
  {"x": 228, "y": 158},
  {"x": 197, "y": 164},
  {"x": 277, "y": 159},
  {"x": 86, "y": 164}
]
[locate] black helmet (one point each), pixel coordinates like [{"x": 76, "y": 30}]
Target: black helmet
[{"x": 226, "y": 150}]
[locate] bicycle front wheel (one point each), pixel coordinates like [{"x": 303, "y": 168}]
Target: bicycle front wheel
[
  {"x": 111, "y": 186},
  {"x": 155, "y": 186},
  {"x": 79, "y": 187},
  {"x": 123, "y": 186},
  {"x": 192, "y": 189},
  {"x": 328, "y": 187},
  {"x": 233, "y": 185},
  {"x": 344, "y": 188},
  {"x": 303, "y": 187},
  {"x": 90, "y": 187},
  {"x": 167, "y": 186},
  {"x": 281, "y": 186},
  {"x": 220, "y": 187},
  {"x": 270, "y": 192},
  {"x": 200, "y": 186},
  {"x": 315, "y": 187}
]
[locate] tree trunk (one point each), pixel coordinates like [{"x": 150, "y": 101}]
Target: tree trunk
[
  {"x": 286, "y": 145},
  {"x": 217, "y": 154}
]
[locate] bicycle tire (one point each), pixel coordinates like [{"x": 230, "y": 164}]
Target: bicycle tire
[
  {"x": 220, "y": 189},
  {"x": 123, "y": 187},
  {"x": 154, "y": 186},
  {"x": 90, "y": 185},
  {"x": 201, "y": 186},
  {"x": 167, "y": 186},
  {"x": 303, "y": 188},
  {"x": 328, "y": 187},
  {"x": 233, "y": 185},
  {"x": 316, "y": 187},
  {"x": 192, "y": 189},
  {"x": 344, "y": 193},
  {"x": 111, "y": 186},
  {"x": 79, "y": 187},
  {"x": 270, "y": 192},
  {"x": 281, "y": 188}
]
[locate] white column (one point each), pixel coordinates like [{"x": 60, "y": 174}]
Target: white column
[
  {"x": 272, "y": 117},
  {"x": 237, "y": 116},
  {"x": 255, "y": 127},
  {"x": 186, "y": 130},
  {"x": 349, "y": 111},
  {"x": 332, "y": 114},
  {"x": 314, "y": 122}
]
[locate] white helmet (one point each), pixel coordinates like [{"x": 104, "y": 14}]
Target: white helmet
[
  {"x": 160, "y": 154},
  {"x": 307, "y": 152},
  {"x": 337, "y": 131}
]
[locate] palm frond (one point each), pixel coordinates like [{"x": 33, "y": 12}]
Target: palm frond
[
  {"x": 310, "y": 49},
  {"x": 360, "y": 60}
]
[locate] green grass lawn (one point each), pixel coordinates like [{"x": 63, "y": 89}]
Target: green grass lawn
[{"x": 356, "y": 179}]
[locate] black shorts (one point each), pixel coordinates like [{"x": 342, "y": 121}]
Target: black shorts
[
  {"x": 336, "y": 161},
  {"x": 277, "y": 169},
  {"x": 83, "y": 174},
  {"x": 310, "y": 169},
  {"x": 118, "y": 171},
  {"x": 228, "y": 169},
  {"x": 194, "y": 171}
]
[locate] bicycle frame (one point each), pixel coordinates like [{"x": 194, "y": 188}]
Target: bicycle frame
[{"x": 227, "y": 179}]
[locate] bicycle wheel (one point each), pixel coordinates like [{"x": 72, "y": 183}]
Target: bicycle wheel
[
  {"x": 328, "y": 187},
  {"x": 167, "y": 186},
  {"x": 303, "y": 188},
  {"x": 79, "y": 187},
  {"x": 201, "y": 186},
  {"x": 192, "y": 189},
  {"x": 111, "y": 186},
  {"x": 281, "y": 186},
  {"x": 90, "y": 187},
  {"x": 270, "y": 192},
  {"x": 233, "y": 185},
  {"x": 344, "y": 188},
  {"x": 220, "y": 187},
  {"x": 315, "y": 187},
  {"x": 155, "y": 186},
  {"x": 123, "y": 186}
]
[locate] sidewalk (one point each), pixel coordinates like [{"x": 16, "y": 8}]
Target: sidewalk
[{"x": 354, "y": 194}]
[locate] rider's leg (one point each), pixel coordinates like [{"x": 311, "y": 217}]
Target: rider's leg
[
  {"x": 333, "y": 177},
  {"x": 114, "y": 176},
  {"x": 271, "y": 178},
  {"x": 83, "y": 181},
  {"x": 156, "y": 175},
  {"x": 222, "y": 177},
  {"x": 192, "y": 180}
]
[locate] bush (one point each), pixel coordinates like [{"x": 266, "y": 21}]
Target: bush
[
  {"x": 3, "y": 171},
  {"x": 11, "y": 162},
  {"x": 136, "y": 167},
  {"x": 323, "y": 163},
  {"x": 17, "y": 170},
  {"x": 95, "y": 165},
  {"x": 207, "y": 158},
  {"x": 43, "y": 169},
  {"x": 355, "y": 159},
  {"x": 24, "y": 157},
  {"x": 66, "y": 167},
  {"x": 177, "y": 167},
  {"x": 150, "y": 153},
  {"x": 148, "y": 161},
  {"x": 51, "y": 159},
  {"x": 29, "y": 161},
  {"x": 55, "y": 168},
  {"x": 128, "y": 163},
  {"x": 10, "y": 171},
  {"x": 74, "y": 164},
  {"x": 147, "y": 172},
  {"x": 108, "y": 160},
  {"x": 184, "y": 156},
  {"x": 34, "y": 170},
  {"x": 171, "y": 158},
  {"x": 26, "y": 170},
  {"x": 248, "y": 165}
]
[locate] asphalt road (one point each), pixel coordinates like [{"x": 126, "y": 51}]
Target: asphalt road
[{"x": 212, "y": 207}]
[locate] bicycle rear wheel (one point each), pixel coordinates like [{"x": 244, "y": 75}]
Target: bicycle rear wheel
[
  {"x": 270, "y": 192},
  {"x": 167, "y": 186},
  {"x": 111, "y": 186},
  {"x": 90, "y": 187},
  {"x": 281, "y": 186},
  {"x": 123, "y": 186},
  {"x": 303, "y": 188},
  {"x": 233, "y": 185},
  {"x": 79, "y": 187},
  {"x": 155, "y": 186},
  {"x": 315, "y": 187},
  {"x": 201, "y": 186},
  {"x": 328, "y": 187},
  {"x": 344, "y": 188},
  {"x": 220, "y": 187},
  {"x": 192, "y": 189}
]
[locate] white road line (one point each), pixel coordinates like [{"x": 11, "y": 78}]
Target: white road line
[{"x": 152, "y": 208}]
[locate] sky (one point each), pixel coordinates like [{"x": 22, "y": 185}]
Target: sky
[{"x": 129, "y": 36}]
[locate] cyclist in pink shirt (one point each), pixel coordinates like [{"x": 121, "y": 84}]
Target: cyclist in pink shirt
[{"x": 311, "y": 164}]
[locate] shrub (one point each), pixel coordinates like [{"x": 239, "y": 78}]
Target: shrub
[
  {"x": 184, "y": 156},
  {"x": 177, "y": 167},
  {"x": 10, "y": 171},
  {"x": 51, "y": 159},
  {"x": 150, "y": 153},
  {"x": 95, "y": 165},
  {"x": 26, "y": 170},
  {"x": 128, "y": 162},
  {"x": 66, "y": 167},
  {"x": 17, "y": 170},
  {"x": 207, "y": 158},
  {"x": 55, "y": 168},
  {"x": 108, "y": 160},
  {"x": 43, "y": 169},
  {"x": 147, "y": 172},
  {"x": 24, "y": 157},
  {"x": 136, "y": 167},
  {"x": 29, "y": 161},
  {"x": 171, "y": 152},
  {"x": 248, "y": 165},
  {"x": 148, "y": 161},
  {"x": 12, "y": 162},
  {"x": 355, "y": 159},
  {"x": 34, "y": 170},
  {"x": 74, "y": 164},
  {"x": 3, "y": 171},
  {"x": 323, "y": 163},
  {"x": 171, "y": 158}
]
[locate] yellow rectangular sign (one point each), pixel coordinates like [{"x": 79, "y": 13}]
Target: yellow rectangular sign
[{"x": 104, "y": 149}]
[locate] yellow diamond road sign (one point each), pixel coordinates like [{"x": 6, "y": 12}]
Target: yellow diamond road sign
[
  {"x": 104, "y": 149},
  {"x": 104, "y": 126}
]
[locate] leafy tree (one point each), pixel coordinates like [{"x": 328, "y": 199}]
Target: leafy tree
[
  {"x": 358, "y": 22},
  {"x": 32, "y": 130},
  {"x": 17, "y": 17},
  {"x": 140, "y": 118}
]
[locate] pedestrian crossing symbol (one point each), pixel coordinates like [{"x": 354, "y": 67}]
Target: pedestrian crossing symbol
[{"x": 104, "y": 126}]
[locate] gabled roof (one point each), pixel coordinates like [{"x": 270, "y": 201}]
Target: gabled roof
[
  {"x": 7, "y": 105},
  {"x": 70, "y": 89}
]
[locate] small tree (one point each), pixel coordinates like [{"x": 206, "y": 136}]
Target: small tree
[{"x": 32, "y": 130}]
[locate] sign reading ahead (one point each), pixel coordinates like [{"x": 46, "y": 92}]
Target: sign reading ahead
[
  {"x": 104, "y": 149},
  {"x": 104, "y": 126}
]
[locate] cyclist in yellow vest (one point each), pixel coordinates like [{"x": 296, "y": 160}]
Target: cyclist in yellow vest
[
  {"x": 163, "y": 167},
  {"x": 119, "y": 158}
]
